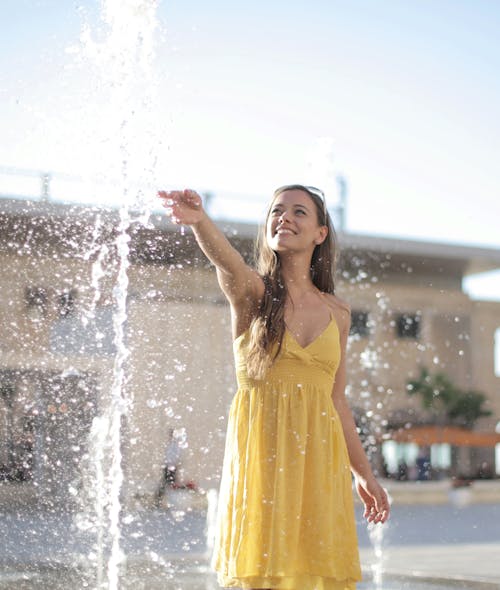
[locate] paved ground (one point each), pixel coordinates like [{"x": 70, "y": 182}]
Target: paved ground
[
  {"x": 439, "y": 543},
  {"x": 441, "y": 546},
  {"x": 474, "y": 565}
]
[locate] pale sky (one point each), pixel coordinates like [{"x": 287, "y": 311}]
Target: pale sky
[{"x": 400, "y": 97}]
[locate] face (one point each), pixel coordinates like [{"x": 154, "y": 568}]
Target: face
[{"x": 292, "y": 224}]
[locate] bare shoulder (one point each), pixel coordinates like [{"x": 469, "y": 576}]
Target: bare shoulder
[{"x": 341, "y": 311}]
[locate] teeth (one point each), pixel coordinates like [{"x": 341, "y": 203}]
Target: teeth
[{"x": 284, "y": 231}]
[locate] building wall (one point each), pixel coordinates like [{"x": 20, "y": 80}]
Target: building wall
[
  {"x": 485, "y": 320},
  {"x": 179, "y": 372},
  {"x": 182, "y": 378},
  {"x": 385, "y": 361}
]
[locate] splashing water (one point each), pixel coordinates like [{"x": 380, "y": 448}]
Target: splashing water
[
  {"x": 376, "y": 533},
  {"x": 101, "y": 251},
  {"x": 120, "y": 49}
]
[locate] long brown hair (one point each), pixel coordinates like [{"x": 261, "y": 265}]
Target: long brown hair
[{"x": 268, "y": 326}]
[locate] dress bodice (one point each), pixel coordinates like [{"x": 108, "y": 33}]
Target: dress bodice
[{"x": 314, "y": 364}]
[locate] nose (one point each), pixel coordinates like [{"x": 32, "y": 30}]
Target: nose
[{"x": 283, "y": 217}]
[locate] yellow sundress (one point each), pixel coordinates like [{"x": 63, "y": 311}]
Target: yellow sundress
[{"x": 286, "y": 516}]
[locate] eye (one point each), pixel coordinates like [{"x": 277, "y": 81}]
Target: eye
[
  {"x": 300, "y": 212},
  {"x": 276, "y": 211}
]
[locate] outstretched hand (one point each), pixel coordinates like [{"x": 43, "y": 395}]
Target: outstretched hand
[
  {"x": 184, "y": 207},
  {"x": 375, "y": 500}
]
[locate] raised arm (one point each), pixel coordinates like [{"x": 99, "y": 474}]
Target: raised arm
[
  {"x": 240, "y": 283},
  {"x": 369, "y": 490}
]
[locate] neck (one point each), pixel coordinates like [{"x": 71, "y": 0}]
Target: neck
[{"x": 297, "y": 276}]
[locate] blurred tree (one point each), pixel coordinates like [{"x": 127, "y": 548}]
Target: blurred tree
[
  {"x": 467, "y": 408},
  {"x": 448, "y": 403}
]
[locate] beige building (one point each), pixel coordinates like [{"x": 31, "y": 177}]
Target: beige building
[{"x": 58, "y": 273}]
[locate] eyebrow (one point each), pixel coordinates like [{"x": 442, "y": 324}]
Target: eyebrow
[{"x": 294, "y": 205}]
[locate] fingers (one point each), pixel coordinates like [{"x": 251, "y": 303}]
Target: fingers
[
  {"x": 376, "y": 515},
  {"x": 172, "y": 200},
  {"x": 170, "y": 197},
  {"x": 183, "y": 207},
  {"x": 187, "y": 196},
  {"x": 377, "y": 507},
  {"x": 192, "y": 198},
  {"x": 168, "y": 202},
  {"x": 379, "y": 511}
]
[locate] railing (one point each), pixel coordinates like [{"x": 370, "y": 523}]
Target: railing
[{"x": 17, "y": 183}]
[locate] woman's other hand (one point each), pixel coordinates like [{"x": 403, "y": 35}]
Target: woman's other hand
[
  {"x": 375, "y": 500},
  {"x": 183, "y": 207}
]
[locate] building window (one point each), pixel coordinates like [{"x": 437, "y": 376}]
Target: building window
[
  {"x": 359, "y": 323},
  {"x": 408, "y": 325},
  {"x": 400, "y": 459},
  {"x": 441, "y": 456},
  {"x": 36, "y": 301},
  {"x": 66, "y": 303}
]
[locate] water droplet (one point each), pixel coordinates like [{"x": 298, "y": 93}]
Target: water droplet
[
  {"x": 178, "y": 515},
  {"x": 154, "y": 556}
]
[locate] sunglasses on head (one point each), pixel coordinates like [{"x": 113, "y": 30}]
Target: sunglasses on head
[{"x": 312, "y": 190}]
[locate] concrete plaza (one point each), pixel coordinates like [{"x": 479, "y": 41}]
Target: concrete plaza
[{"x": 423, "y": 546}]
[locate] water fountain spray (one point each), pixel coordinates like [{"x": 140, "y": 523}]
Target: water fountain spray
[{"x": 120, "y": 50}]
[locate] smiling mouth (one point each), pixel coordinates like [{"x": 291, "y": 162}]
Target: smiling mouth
[{"x": 284, "y": 231}]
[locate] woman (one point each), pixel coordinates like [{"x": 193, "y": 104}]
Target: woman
[{"x": 286, "y": 518}]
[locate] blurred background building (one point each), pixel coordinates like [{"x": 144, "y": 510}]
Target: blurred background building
[{"x": 57, "y": 273}]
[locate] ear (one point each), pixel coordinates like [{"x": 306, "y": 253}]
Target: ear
[{"x": 321, "y": 236}]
